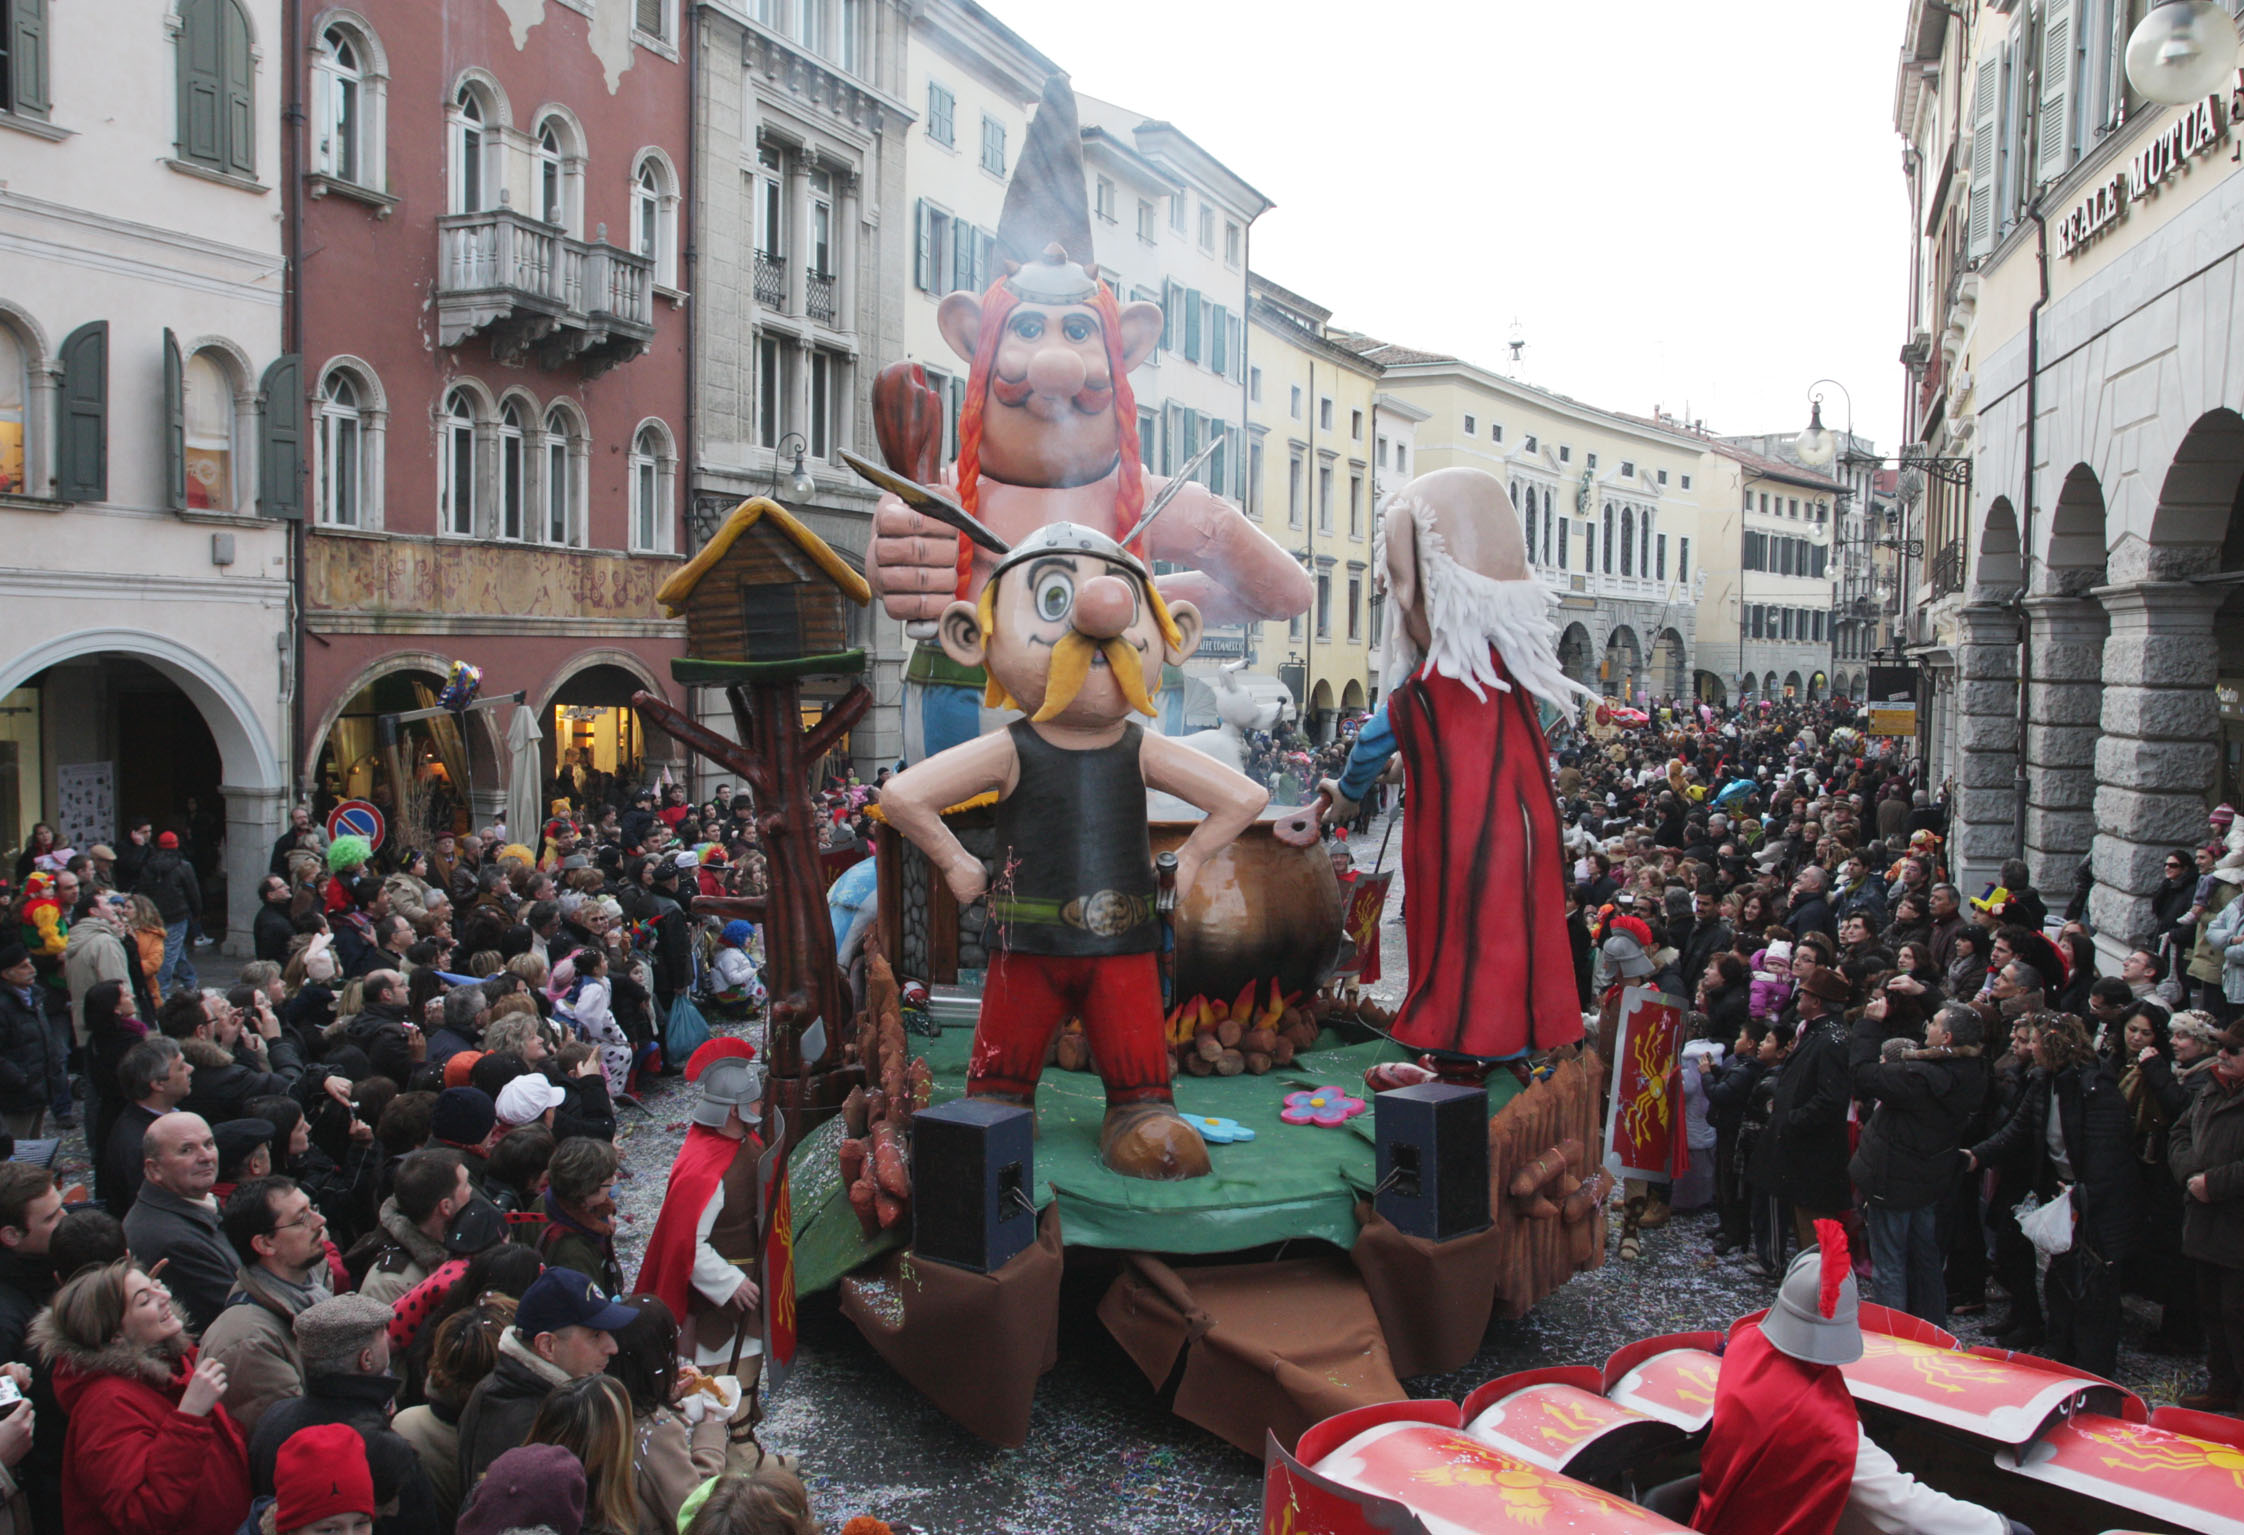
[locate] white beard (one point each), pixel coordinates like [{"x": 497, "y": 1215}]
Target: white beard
[{"x": 1466, "y": 613}]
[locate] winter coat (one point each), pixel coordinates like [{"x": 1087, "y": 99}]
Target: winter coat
[
  {"x": 670, "y": 1459},
  {"x": 1730, "y": 1089},
  {"x": 255, "y": 1339},
  {"x": 133, "y": 1464},
  {"x": 2175, "y": 1088},
  {"x": 2207, "y": 960},
  {"x": 363, "y": 1402},
  {"x": 1865, "y": 899},
  {"x": 1729, "y": 1009},
  {"x": 2095, "y": 1125},
  {"x": 92, "y": 954},
  {"x": 200, "y": 1264},
  {"x": 2225, "y": 936},
  {"x": 1812, "y": 914},
  {"x": 26, "y": 1053},
  {"x": 1768, "y": 995},
  {"x": 224, "y": 1084},
  {"x": 379, "y": 1031},
  {"x": 168, "y": 880},
  {"x": 407, "y": 1256},
  {"x": 2210, "y": 1140},
  {"x": 272, "y": 932},
  {"x": 433, "y": 1430},
  {"x": 502, "y": 1407},
  {"x": 1910, "y": 1152},
  {"x": 1803, "y": 1157},
  {"x": 27, "y": 1283}
]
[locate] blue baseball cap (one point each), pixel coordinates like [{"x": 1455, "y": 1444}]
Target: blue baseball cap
[{"x": 561, "y": 1298}]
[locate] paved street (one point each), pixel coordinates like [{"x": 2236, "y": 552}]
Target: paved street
[{"x": 1103, "y": 1458}]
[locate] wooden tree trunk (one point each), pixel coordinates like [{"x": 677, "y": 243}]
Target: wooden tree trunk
[{"x": 774, "y": 756}]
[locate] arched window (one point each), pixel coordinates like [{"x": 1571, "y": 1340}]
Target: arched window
[
  {"x": 474, "y": 122},
  {"x": 207, "y": 409},
  {"x": 550, "y": 205},
  {"x": 1608, "y": 538},
  {"x": 456, "y": 466},
  {"x": 654, "y": 216},
  {"x": 339, "y": 87},
  {"x": 565, "y": 455},
  {"x": 1528, "y": 518},
  {"x": 217, "y": 87},
  {"x": 1644, "y": 546},
  {"x": 513, "y": 473},
  {"x": 653, "y": 468},
  {"x": 1628, "y": 541},
  {"x": 344, "y": 458},
  {"x": 15, "y": 415},
  {"x": 1546, "y": 526}
]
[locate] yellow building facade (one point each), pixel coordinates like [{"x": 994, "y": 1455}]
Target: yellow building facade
[{"x": 1311, "y": 434}]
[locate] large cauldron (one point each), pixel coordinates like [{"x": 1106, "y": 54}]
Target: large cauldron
[{"x": 1259, "y": 911}]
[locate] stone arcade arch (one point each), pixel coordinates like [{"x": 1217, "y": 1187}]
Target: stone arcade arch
[
  {"x": 2065, "y": 698},
  {"x": 252, "y": 777},
  {"x": 2166, "y": 751}
]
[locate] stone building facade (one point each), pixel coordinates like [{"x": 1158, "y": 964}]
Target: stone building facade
[{"x": 2091, "y": 353}]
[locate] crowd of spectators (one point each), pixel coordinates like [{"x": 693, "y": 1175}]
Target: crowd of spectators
[
  {"x": 348, "y": 1262},
  {"x": 1872, "y": 1043}
]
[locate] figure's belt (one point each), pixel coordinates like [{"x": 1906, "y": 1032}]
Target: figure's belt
[
  {"x": 929, "y": 666},
  {"x": 1108, "y": 913}
]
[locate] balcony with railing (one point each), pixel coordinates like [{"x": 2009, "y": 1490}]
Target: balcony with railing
[
  {"x": 771, "y": 280},
  {"x": 819, "y": 297},
  {"x": 540, "y": 295},
  {"x": 1948, "y": 568}
]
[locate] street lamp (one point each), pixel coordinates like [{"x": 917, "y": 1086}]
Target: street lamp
[
  {"x": 1817, "y": 447},
  {"x": 2181, "y": 50},
  {"x": 799, "y": 484}
]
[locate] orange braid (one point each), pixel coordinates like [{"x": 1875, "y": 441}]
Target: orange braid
[
  {"x": 1129, "y": 490},
  {"x": 998, "y": 302}
]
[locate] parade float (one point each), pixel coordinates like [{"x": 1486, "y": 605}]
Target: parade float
[
  {"x": 1090, "y": 1031},
  {"x": 1617, "y": 1447}
]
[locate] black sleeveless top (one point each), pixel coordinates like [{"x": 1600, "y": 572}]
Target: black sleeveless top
[{"x": 1074, "y": 869}]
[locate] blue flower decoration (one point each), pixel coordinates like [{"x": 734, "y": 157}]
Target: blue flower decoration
[{"x": 1217, "y": 1131}]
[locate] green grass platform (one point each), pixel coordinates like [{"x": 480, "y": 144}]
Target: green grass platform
[{"x": 1290, "y": 1181}]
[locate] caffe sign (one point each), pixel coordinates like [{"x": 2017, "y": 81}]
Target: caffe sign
[{"x": 2200, "y": 128}]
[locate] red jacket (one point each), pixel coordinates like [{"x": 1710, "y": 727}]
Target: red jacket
[{"x": 133, "y": 1462}]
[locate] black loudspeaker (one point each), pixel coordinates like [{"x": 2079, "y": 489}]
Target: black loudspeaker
[
  {"x": 972, "y": 1159},
  {"x": 1433, "y": 1160}
]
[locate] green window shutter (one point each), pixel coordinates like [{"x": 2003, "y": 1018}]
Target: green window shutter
[
  {"x": 923, "y": 253},
  {"x": 82, "y": 435},
  {"x": 2059, "y": 48},
  {"x": 241, "y": 92},
  {"x": 1986, "y": 98},
  {"x": 1192, "y": 324},
  {"x": 27, "y": 57},
  {"x": 280, "y": 438},
  {"x": 202, "y": 82},
  {"x": 1218, "y": 358},
  {"x": 175, "y": 425}
]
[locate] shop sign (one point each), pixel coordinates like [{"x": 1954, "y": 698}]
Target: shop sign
[
  {"x": 2230, "y": 692},
  {"x": 2195, "y": 132},
  {"x": 1892, "y": 700}
]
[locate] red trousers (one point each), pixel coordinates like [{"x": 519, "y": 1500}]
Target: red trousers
[{"x": 1028, "y": 996}]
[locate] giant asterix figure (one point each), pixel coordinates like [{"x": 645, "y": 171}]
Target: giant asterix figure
[
  {"x": 1073, "y": 631},
  {"x": 1468, "y": 650},
  {"x": 1049, "y": 433}
]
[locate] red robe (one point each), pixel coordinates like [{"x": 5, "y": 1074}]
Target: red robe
[
  {"x": 667, "y": 1269},
  {"x": 1780, "y": 1452},
  {"x": 1491, "y": 973}
]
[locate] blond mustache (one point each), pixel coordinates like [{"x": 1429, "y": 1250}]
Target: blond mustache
[{"x": 1071, "y": 668}]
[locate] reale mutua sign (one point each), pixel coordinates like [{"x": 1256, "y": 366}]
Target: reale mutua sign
[{"x": 2198, "y": 129}]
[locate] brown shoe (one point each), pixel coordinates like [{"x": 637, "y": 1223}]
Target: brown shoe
[
  {"x": 1150, "y": 1140},
  {"x": 2208, "y": 1401},
  {"x": 1655, "y": 1215}
]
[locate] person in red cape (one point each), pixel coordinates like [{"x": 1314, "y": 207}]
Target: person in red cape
[
  {"x": 1469, "y": 650},
  {"x": 1785, "y": 1453},
  {"x": 702, "y": 1254}
]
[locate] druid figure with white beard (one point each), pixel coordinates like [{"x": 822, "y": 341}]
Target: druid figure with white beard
[
  {"x": 1469, "y": 648},
  {"x": 1073, "y": 632}
]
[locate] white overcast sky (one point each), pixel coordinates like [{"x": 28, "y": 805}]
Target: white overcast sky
[{"x": 1684, "y": 202}]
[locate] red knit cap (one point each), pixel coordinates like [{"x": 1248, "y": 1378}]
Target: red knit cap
[{"x": 319, "y": 1473}]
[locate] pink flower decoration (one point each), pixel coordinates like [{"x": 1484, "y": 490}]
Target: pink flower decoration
[{"x": 1321, "y": 1106}]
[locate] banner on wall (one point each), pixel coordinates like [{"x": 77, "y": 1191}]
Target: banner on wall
[
  {"x": 87, "y": 808},
  {"x": 1892, "y": 700}
]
